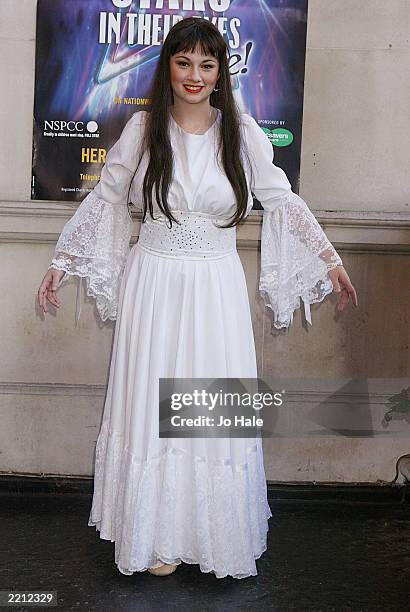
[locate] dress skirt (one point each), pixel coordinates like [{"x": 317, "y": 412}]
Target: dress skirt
[{"x": 194, "y": 500}]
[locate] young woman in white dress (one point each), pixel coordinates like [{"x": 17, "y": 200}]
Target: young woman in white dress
[{"x": 179, "y": 298}]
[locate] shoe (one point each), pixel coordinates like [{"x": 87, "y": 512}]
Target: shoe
[{"x": 163, "y": 570}]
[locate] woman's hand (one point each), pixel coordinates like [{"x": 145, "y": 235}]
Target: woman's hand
[
  {"x": 48, "y": 288},
  {"x": 341, "y": 284}
]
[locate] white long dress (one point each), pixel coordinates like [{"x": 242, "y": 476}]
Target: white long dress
[{"x": 180, "y": 301}]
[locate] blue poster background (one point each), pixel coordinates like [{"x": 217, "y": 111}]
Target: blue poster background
[{"x": 86, "y": 86}]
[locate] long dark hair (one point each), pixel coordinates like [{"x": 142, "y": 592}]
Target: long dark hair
[{"x": 187, "y": 35}]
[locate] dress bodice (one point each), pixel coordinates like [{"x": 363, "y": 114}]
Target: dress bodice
[{"x": 198, "y": 184}]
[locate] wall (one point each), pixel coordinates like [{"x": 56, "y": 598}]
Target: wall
[{"x": 354, "y": 175}]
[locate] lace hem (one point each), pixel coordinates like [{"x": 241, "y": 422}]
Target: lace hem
[
  {"x": 176, "y": 508},
  {"x": 94, "y": 244},
  {"x": 183, "y": 559},
  {"x": 296, "y": 256}
]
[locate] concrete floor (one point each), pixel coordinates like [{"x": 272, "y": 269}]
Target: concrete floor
[{"x": 328, "y": 550}]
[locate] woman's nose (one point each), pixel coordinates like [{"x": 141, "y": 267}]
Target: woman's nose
[{"x": 194, "y": 74}]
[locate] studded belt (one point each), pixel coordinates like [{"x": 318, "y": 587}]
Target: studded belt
[{"x": 198, "y": 236}]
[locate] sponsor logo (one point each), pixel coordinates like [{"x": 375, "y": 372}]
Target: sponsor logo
[
  {"x": 280, "y": 137},
  {"x": 76, "y": 129},
  {"x": 57, "y": 125}
]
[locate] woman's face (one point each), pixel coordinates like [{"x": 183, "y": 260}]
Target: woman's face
[{"x": 195, "y": 69}]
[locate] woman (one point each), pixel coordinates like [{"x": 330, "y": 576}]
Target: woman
[{"x": 180, "y": 300}]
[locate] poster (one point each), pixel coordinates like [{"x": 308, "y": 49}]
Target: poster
[{"x": 95, "y": 58}]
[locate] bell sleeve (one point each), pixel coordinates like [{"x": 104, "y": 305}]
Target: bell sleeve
[
  {"x": 296, "y": 254},
  {"x": 94, "y": 243}
]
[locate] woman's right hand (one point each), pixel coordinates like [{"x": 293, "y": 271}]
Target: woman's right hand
[{"x": 48, "y": 288}]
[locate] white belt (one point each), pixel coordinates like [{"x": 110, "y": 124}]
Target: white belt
[{"x": 198, "y": 236}]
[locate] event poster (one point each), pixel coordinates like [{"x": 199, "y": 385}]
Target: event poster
[{"x": 95, "y": 58}]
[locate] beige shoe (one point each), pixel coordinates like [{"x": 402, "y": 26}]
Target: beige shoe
[{"x": 163, "y": 570}]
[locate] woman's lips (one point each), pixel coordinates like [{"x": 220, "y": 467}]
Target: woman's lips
[{"x": 193, "y": 89}]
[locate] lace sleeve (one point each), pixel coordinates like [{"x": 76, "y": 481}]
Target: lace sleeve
[
  {"x": 94, "y": 243},
  {"x": 296, "y": 254}
]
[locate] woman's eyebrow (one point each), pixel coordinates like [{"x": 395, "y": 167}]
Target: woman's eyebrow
[{"x": 210, "y": 59}]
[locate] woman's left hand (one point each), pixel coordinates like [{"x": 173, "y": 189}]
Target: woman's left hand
[{"x": 342, "y": 284}]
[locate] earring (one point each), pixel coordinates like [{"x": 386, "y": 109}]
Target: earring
[{"x": 215, "y": 89}]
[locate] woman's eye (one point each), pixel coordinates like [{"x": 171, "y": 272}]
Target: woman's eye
[{"x": 206, "y": 66}]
